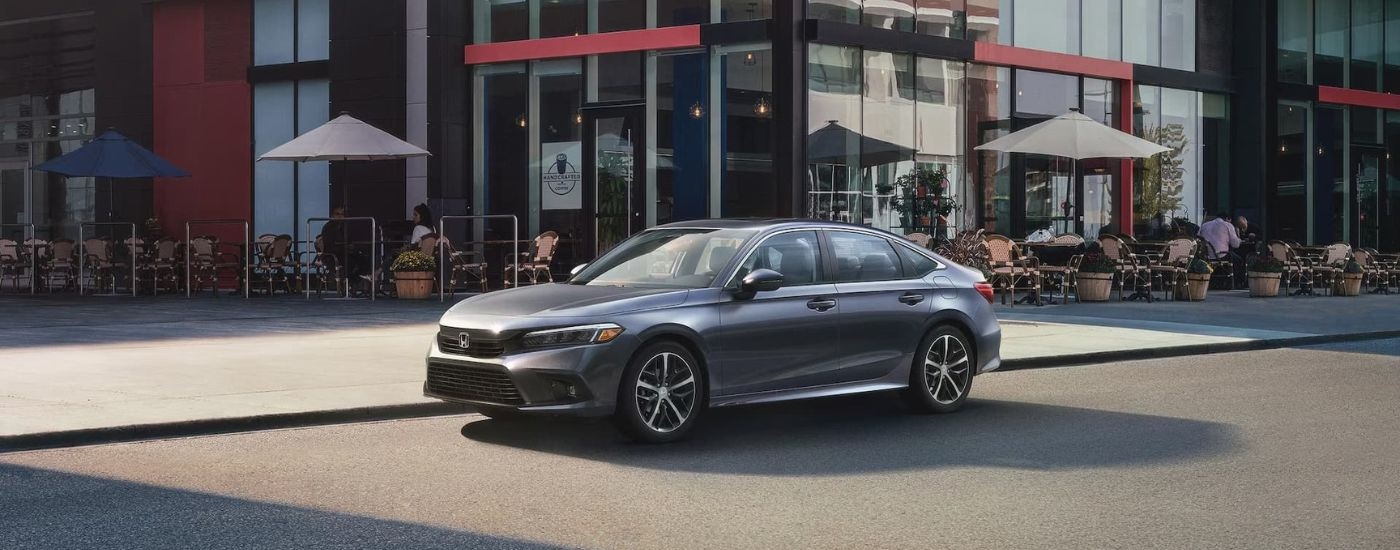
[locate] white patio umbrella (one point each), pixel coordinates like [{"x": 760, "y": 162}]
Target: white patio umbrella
[
  {"x": 1075, "y": 136},
  {"x": 346, "y": 138}
]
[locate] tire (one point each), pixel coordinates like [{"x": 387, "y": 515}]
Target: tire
[
  {"x": 662, "y": 394},
  {"x": 934, "y": 388},
  {"x": 499, "y": 413}
]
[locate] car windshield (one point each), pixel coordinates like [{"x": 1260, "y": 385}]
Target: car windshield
[{"x": 666, "y": 258}]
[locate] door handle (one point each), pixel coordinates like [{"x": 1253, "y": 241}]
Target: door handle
[
  {"x": 821, "y": 304},
  {"x": 911, "y": 299}
]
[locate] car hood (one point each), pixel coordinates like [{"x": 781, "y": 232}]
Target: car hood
[{"x": 566, "y": 300}]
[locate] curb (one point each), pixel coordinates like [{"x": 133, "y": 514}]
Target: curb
[
  {"x": 1054, "y": 361},
  {"x": 215, "y": 426}
]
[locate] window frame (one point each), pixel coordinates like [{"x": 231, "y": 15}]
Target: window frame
[{"x": 823, "y": 263}]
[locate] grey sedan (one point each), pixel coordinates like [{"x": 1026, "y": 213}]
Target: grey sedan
[{"x": 714, "y": 313}]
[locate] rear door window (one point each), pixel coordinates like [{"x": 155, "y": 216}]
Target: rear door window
[
  {"x": 862, "y": 257},
  {"x": 915, "y": 264}
]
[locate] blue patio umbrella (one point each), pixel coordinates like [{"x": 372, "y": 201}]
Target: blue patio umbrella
[{"x": 112, "y": 155}]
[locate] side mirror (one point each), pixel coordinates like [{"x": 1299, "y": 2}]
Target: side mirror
[
  {"x": 760, "y": 280},
  {"x": 576, "y": 270}
]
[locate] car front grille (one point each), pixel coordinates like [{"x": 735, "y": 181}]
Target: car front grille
[
  {"x": 473, "y": 383},
  {"x": 481, "y": 344}
]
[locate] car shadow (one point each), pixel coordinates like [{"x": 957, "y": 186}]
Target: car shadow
[
  {"x": 42, "y": 508},
  {"x": 872, "y": 433}
]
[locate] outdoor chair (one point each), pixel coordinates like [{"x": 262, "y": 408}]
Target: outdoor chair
[
  {"x": 464, "y": 266},
  {"x": 1067, "y": 239},
  {"x": 1132, "y": 269},
  {"x": 1064, "y": 276},
  {"x": 275, "y": 263},
  {"x": 1010, "y": 270},
  {"x": 99, "y": 263},
  {"x": 1172, "y": 269},
  {"x": 534, "y": 266},
  {"x": 1296, "y": 270},
  {"x": 965, "y": 249},
  {"x": 1329, "y": 268},
  {"x": 1221, "y": 265},
  {"x": 204, "y": 263},
  {"x": 921, "y": 239},
  {"x": 165, "y": 265},
  {"x": 61, "y": 265},
  {"x": 322, "y": 268},
  {"x": 1372, "y": 271},
  {"x": 10, "y": 262}
]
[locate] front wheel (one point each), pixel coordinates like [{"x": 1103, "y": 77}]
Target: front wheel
[
  {"x": 941, "y": 376},
  {"x": 661, "y": 395}
]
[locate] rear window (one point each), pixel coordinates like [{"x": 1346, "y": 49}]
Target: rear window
[{"x": 915, "y": 264}]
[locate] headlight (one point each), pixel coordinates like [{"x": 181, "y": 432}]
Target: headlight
[{"x": 589, "y": 334}]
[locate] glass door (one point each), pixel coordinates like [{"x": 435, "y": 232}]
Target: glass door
[
  {"x": 14, "y": 201},
  {"x": 614, "y": 171},
  {"x": 1368, "y": 176}
]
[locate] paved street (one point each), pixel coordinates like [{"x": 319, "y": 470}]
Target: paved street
[{"x": 1269, "y": 449}]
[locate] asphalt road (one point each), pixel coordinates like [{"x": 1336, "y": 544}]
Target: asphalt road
[{"x": 1272, "y": 449}]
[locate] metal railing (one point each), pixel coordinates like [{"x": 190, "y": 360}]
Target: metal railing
[
  {"x": 442, "y": 243},
  {"x": 247, "y": 253},
  {"x": 82, "y": 258},
  {"x": 373, "y": 257},
  {"x": 33, "y": 253}
]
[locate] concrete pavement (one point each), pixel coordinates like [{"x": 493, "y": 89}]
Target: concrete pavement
[
  {"x": 82, "y": 364},
  {"x": 1272, "y": 449}
]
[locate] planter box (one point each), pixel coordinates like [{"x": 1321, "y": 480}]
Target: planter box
[
  {"x": 1195, "y": 288},
  {"x": 1093, "y": 287},
  {"x": 1348, "y": 285},
  {"x": 414, "y": 285},
  {"x": 1263, "y": 285}
]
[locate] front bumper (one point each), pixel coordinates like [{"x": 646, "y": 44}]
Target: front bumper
[{"x": 577, "y": 380}]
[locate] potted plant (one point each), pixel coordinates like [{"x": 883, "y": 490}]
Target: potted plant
[
  {"x": 1094, "y": 279},
  {"x": 1197, "y": 281},
  {"x": 413, "y": 274},
  {"x": 1265, "y": 272},
  {"x": 1349, "y": 284}
]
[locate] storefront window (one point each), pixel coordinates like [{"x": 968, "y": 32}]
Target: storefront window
[
  {"x": 1288, "y": 204},
  {"x": 1142, "y": 32},
  {"x": 560, "y": 147},
  {"x": 891, "y": 14},
  {"x": 887, "y": 148},
  {"x": 1050, "y": 25},
  {"x": 1332, "y": 29},
  {"x": 1102, "y": 28},
  {"x": 845, "y": 11},
  {"x": 989, "y": 115},
  {"x": 745, "y": 10},
  {"x": 939, "y": 142},
  {"x": 1366, "y": 44},
  {"x": 1097, "y": 176},
  {"x": 747, "y": 187},
  {"x": 500, "y": 20},
  {"x": 833, "y": 131},
  {"x": 1050, "y": 197},
  {"x": 1390, "y": 205},
  {"x": 1179, "y": 168},
  {"x": 620, "y": 15},
  {"x": 682, "y": 137},
  {"x": 504, "y": 125},
  {"x": 940, "y": 17},
  {"x": 989, "y": 21},
  {"x": 670, "y": 13},
  {"x": 563, "y": 18},
  {"x": 1392, "y": 46},
  {"x": 1152, "y": 203},
  {"x": 1329, "y": 183},
  {"x": 619, "y": 76},
  {"x": 1179, "y": 34},
  {"x": 1295, "y": 40},
  {"x": 1215, "y": 156}
]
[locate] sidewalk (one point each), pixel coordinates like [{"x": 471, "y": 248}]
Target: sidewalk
[{"x": 97, "y": 363}]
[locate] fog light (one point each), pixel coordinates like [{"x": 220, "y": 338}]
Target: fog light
[{"x": 563, "y": 390}]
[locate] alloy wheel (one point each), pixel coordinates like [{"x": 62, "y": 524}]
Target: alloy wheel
[
  {"x": 946, "y": 369},
  {"x": 665, "y": 392}
]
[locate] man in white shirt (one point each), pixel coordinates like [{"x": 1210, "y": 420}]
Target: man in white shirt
[{"x": 1221, "y": 234}]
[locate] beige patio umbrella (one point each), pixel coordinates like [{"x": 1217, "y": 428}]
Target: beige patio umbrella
[{"x": 1075, "y": 136}]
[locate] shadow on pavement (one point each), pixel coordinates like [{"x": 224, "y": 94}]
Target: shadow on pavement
[
  {"x": 48, "y": 509},
  {"x": 871, "y": 433},
  {"x": 1384, "y": 348}
]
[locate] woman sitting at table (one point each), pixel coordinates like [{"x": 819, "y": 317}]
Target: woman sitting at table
[{"x": 422, "y": 223}]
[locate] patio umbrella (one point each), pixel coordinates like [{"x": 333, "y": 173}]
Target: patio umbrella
[
  {"x": 1075, "y": 136},
  {"x": 112, "y": 155},
  {"x": 830, "y": 145},
  {"x": 344, "y": 138}
]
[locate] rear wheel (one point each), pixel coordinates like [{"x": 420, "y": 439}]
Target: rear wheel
[
  {"x": 941, "y": 376},
  {"x": 661, "y": 395}
]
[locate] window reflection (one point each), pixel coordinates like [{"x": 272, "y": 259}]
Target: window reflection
[
  {"x": 563, "y": 18},
  {"x": 747, "y": 185}
]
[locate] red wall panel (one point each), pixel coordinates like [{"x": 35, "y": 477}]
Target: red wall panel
[{"x": 202, "y": 113}]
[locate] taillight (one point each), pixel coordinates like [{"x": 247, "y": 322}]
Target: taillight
[{"x": 985, "y": 289}]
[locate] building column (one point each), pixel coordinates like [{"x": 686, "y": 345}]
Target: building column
[
  {"x": 790, "y": 102},
  {"x": 416, "y": 104}
]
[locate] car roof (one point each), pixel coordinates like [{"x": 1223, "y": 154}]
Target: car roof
[{"x": 759, "y": 224}]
